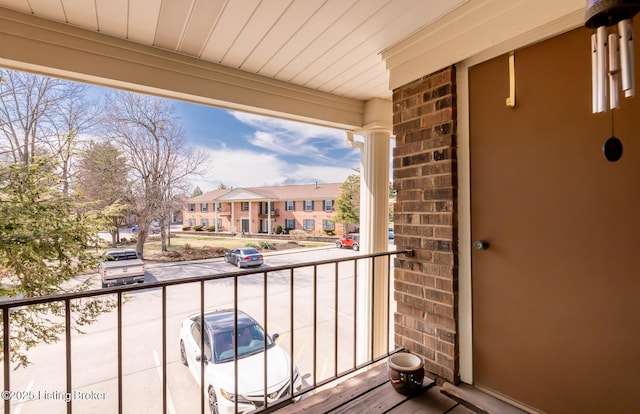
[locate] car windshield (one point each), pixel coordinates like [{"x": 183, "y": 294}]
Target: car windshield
[
  {"x": 250, "y": 341},
  {"x": 248, "y": 251}
]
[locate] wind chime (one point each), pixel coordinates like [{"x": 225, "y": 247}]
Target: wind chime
[{"x": 611, "y": 59}]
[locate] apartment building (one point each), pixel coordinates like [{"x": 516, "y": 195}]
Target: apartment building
[{"x": 308, "y": 207}]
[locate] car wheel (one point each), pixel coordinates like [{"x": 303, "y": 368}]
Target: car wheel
[
  {"x": 339, "y": 245},
  {"x": 213, "y": 401},
  {"x": 183, "y": 355},
  {"x": 239, "y": 264},
  {"x": 356, "y": 247}
]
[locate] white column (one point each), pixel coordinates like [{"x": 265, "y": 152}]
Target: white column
[
  {"x": 250, "y": 217},
  {"x": 233, "y": 216},
  {"x": 269, "y": 217},
  {"x": 374, "y": 220},
  {"x": 215, "y": 216}
]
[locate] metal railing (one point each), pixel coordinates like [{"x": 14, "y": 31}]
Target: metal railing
[{"x": 360, "y": 262}]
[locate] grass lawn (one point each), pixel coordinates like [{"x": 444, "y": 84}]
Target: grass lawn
[{"x": 178, "y": 242}]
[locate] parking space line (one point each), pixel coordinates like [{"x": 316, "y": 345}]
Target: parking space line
[
  {"x": 300, "y": 352},
  {"x": 19, "y": 406},
  {"x": 170, "y": 405},
  {"x": 344, "y": 315}
]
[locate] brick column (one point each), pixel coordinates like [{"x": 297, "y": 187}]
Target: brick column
[{"x": 425, "y": 220}]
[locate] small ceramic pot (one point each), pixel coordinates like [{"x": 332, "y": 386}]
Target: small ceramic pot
[{"x": 406, "y": 372}]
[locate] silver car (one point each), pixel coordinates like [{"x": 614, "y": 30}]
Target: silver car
[{"x": 244, "y": 257}]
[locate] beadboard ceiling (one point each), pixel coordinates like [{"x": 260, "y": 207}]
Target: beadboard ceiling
[{"x": 332, "y": 46}]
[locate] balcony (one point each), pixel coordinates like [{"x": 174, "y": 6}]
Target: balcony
[
  {"x": 129, "y": 360},
  {"x": 273, "y": 213}
]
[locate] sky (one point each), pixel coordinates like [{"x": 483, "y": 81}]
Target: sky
[{"x": 247, "y": 150}]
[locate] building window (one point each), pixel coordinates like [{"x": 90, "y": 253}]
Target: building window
[
  {"x": 308, "y": 205},
  {"x": 328, "y": 205},
  {"x": 328, "y": 225},
  {"x": 204, "y": 207},
  {"x": 244, "y": 206},
  {"x": 192, "y": 222},
  {"x": 309, "y": 224},
  {"x": 290, "y": 224},
  {"x": 219, "y": 225},
  {"x": 204, "y": 222},
  {"x": 291, "y": 206},
  {"x": 192, "y": 207},
  {"x": 218, "y": 207}
]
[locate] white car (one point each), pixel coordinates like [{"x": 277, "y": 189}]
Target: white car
[{"x": 219, "y": 365}]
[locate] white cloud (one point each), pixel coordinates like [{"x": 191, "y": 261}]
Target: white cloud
[
  {"x": 289, "y": 137},
  {"x": 244, "y": 168}
]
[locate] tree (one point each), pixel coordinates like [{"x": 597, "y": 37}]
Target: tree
[
  {"x": 196, "y": 191},
  {"x": 43, "y": 116},
  {"x": 348, "y": 203},
  {"x": 222, "y": 186},
  {"x": 72, "y": 116},
  {"x": 44, "y": 241},
  {"x": 102, "y": 181},
  {"x": 160, "y": 161}
]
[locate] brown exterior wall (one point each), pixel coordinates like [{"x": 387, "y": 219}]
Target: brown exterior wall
[{"x": 424, "y": 175}]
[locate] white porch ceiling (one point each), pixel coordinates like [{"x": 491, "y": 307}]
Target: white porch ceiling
[{"x": 332, "y": 46}]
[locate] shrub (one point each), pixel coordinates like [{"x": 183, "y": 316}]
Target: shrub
[
  {"x": 287, "y": 230},
  {"x": 298, "y": 235},
  {"x": 267, "y": 245},
  {"x": 211, "y": 228},
  {"x": 329, "y": 232},
  {"x": 198, "y": 227},
  {"x": 278, "y": 229},
  {"x": 186, "y": 228},
  {"x": 187, "y": 246}
]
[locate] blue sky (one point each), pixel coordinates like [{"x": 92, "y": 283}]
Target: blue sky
[{"x": 247, "y": 150}]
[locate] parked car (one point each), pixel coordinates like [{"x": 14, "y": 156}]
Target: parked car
[
  {"x": 219, "y": 361},
  {"x": 120, "y": 267},
  {"x": 244, "y": 257},
  {"x": 391, "y": 234},
  {"x": 351, "y": 240}
]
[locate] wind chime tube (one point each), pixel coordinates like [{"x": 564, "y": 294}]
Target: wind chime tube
[
  {"x": 625, "y": 29},
  {"x": 601, "y": 67},
  {"x": 614, "y": 69},
  {"x": 594, "y": 74}
]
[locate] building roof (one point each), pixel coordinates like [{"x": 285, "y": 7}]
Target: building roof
[{"x": 316, "y": 191}]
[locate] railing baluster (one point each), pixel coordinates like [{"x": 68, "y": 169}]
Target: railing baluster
[
  {"x": 355, "y": 313},
  {"x": 235, "y": 342},
  {"x": 164, "y": 349},
  {"x": 389, "y": 293},
  {"x": 291, "y": 313},
  {"x": 120, "y": 352},
  {"x": 202, "y": 384},
  {"x": 7, "y": 358},
  {"x": 67, "y": 333},
  {"x": 335, "y": 332},
  {"x": 264, "y": 303},
  {"x": 373, "y": 305},
  {"x": 315, "y": 325}
]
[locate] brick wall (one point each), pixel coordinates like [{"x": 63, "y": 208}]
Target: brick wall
[{"x": 424, "y": 175}]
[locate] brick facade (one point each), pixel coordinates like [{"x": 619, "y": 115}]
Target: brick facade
[{"x": 425, "y": 216}]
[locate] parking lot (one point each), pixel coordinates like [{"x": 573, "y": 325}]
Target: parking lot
[{"x": 94, "y": 353}]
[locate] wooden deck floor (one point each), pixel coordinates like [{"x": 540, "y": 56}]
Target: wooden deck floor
[{"x": 371, "y": 393}]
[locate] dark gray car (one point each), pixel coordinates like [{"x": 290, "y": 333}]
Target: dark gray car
[{"x": 244, "y": 257}]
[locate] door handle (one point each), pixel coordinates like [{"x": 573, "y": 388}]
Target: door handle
[{"x": 481, "y": 245}]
